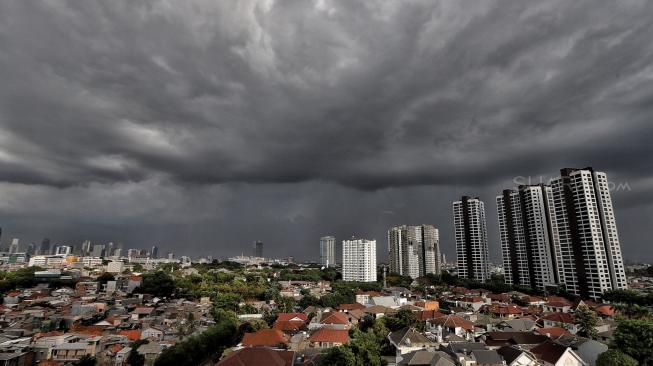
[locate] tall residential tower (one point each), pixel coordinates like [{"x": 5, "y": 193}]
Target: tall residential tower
[
  {"x": 471, "y": 238},
  {"x": 414, "y": 250},
  {"x": 359, "y": 260},
  {"x": 328, "y": 251}
]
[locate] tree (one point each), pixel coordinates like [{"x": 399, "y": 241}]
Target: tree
[
  {"x": 613, "y": 357},
  {"x": 635, "y": 338},
  {"x": 403, "y": 318},
  {"x": 86, "y": 360},
  {"x": 366, "y": 349},
  {"x": 587, "y": 321},
  {"x": 338, "y": 356},
  {"x": 105, "y": 277},
  {"x": 158, "y": 284},
  {"x": 135, "y": 358}
]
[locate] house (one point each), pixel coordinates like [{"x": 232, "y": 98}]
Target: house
[
  {"x": 523, "y": 339},
  {"x": 152, "y": 333},
  {"x": 461, "y": 352},
  {"x": 141, "y": 312},
  {"x": 484, "y": 357},
  {"x": 122, "y": 355},
  {"x": 256, "y": 356},
  {"x": 550, "y": 353},
  {"x": 450, "y": 324},
  {"x": 363, "y": 297},
  {"x": 514, "y": 356},
  {"x": 428, "y": 305},
  {"x": 516, "y": 325},
  {"x": 564, "y": 320},
  {"x": 290, "y": 322},
  {"x": 266, "y": 337},
  {"x": 378, "y": 311},
  {"x": 426, "y": 358},
  {"x": 504, "y": 311},
  {"x": 553, "y": 332},
  {"x": 587, "y": 349},
  {"x": 327, "y": 338},
  {"x": 348, "y": 307},
  {"x": 71, "y": 352},
  {"x": 335, "y": 320},
  {"x": 408, "y": 340},
  {"x": 557, "y": 304}
]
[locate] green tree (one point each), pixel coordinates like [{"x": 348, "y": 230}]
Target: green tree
[
  {"x": 403, "y": 318},
  {"x": 366, "y": 349},
  {"x": 338, "y": 356},
  {"x": 635, "y": 338},
  {"x": 135, "y": 358},
  {"x": 587, "y": 321},
  {"x": 158, "y": 284},
  {"x": 613, "y": 357},
  {"x": 105, "y": 277}
]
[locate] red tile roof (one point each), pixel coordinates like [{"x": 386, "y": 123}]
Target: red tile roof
[
  {"x": 254, "y": 356},
  {"x": 334, "y": 318},
  {"x": 330, "y": 335},
  {"x": 549, "y": 351},
  {"x": 505, "y": 309},
  {"x": 428, "y": 314},
  {"x": 605, "y": 310},
  {"x": 559, "y": 318},
  {"x": 553, "y": 332},
  {"x": 354, "y": 306},
  {"x": 132, "y": 335},
  {"x": 454, "y": 321},
  {"x": 286, "y": 317},
  {"x": 265, "y": 337}
]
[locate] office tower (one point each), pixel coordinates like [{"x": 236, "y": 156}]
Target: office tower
[
  {"x": 13, "y": 247},
  {"x": 87, "y": 247},
  {"x": 528, "y": 236},
  {"x": 155, "y": 252},
  {"x": 64, "y": 249},
  {"x": 589, "y": 257},
  {"x": 98, "y": 250},
  {"x": 170, "y": 255},
  {"x": 328, "y": 251},
  {"x": 31, "y": 249},
  {"x": 117, "y": 252},
  {"x": 359, "y": 260},
  {"x": 45, "y": 247},
  {"x": 258, "y": 249},
  {"x": 109, "y": 249},
  {"x": 414, "y": 250},
  {"x": 471, "y": 238},
  {"x": 133, "y": 253}
]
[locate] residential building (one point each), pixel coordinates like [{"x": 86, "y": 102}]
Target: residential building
[
  {"x": 589, "y": 257},
  {"x": 328, "y": 251},
  {"x": 471, "y": 238},
  {"x": 528, "y": 235},
  {"x": 414, "y": 250},
  {"x": 13, "y": 247},
  {"x": 64, "y": 249},
  {"x": 258, "y": 249},
  {"x": 359, "y": 260},
  {"x": 98, "y": 250}
]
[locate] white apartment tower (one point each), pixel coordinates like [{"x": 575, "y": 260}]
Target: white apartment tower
[
  {"x": 414, "y": 250},
  {"x": 471, "y": 238},
  {"x": 589, "y": 257},
  {"x": 328, "y": 251},
  {"x": 359, "y": 260},
  {"x": 528, "y": 236}
]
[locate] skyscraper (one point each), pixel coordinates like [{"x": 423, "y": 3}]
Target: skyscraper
[
  {"x": 45, "y": 247},
  {"x": 155, "y": 252},
  {"x": 64, "y": 249},
  {"x": 31, "y": 249},
  {"x": 359, "y": 260},
  {"x": 258, "y": 249},
  {"x": 87, "y": 247},
  {"x": 589, "y": 258},
  {"x": 13, "y": 248},
  {"x": 414, "y": 250},
  {"x": 98, "y": 250},
  {"x": 471, "y": 238},
  {"x": 328, "y": 251},
  {"x": 528, "y": 236}
]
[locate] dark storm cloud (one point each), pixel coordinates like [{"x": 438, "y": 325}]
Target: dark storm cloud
[{"x": 201, "y": 121}]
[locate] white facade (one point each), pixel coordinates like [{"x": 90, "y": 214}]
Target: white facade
[
  {"x": 115, "y": 267},
  {"x": 471, "y": 239},
  {"x": 528, "y": 236},
  {"x": 328, "y": 251},
  {"x": 590, "y": 260},
  {"x": 359, "y": 260}
]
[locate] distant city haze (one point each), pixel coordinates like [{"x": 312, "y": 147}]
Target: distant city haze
[{"x": 204, "y": 127}]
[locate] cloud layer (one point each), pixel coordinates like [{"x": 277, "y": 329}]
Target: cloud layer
[{"x": 205, "y": 125}]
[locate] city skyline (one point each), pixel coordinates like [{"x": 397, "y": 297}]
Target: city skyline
[{"x": 203, "y": 134}]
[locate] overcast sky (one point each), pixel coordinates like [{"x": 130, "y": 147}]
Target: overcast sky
[{"x": 201, "y": 126}]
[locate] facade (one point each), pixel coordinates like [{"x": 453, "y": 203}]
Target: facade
[
  {"x": 359, "y": 260},
  {"x": 13, "y": 247},
  {"x": 328, "y": 251},
  {"x": 528, "y": 235},
  {"x": 155, "y": 252},
  {"x": 471, "y": 238},
  {"x": 589, "y": 258},
  {"x": 45, "y": 247},
  {"x": 414, "y": 250},
  {"x": 98, "y": 250},
  {"x": 258, "y": 249}
]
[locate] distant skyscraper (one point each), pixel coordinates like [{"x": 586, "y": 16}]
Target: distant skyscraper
[
  {"x": 64, "y": 249},
  {"x": 13, "y": 248},
  {"x": 98, "y": 250},
  {"x": 589, "y": 259},
  {"x": 45, "y": 247},
  {"x": 528, "y": 236},
  {"x": 328, "y": 251},
  {"x": 414, "y": 250},
  {"x": 258, "y": 249},
  {"x": 155, "y": 252},
  {"x": 109, "y": 249},
  {"x": 471, "y": 238},
  {"x": 31, "y": 249},
  {"x": 87, "y": 247},
  {"x": 359, "y": 260}
]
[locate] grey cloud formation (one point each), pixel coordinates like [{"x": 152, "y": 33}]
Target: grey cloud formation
[{"x": 205, "y": 125}]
